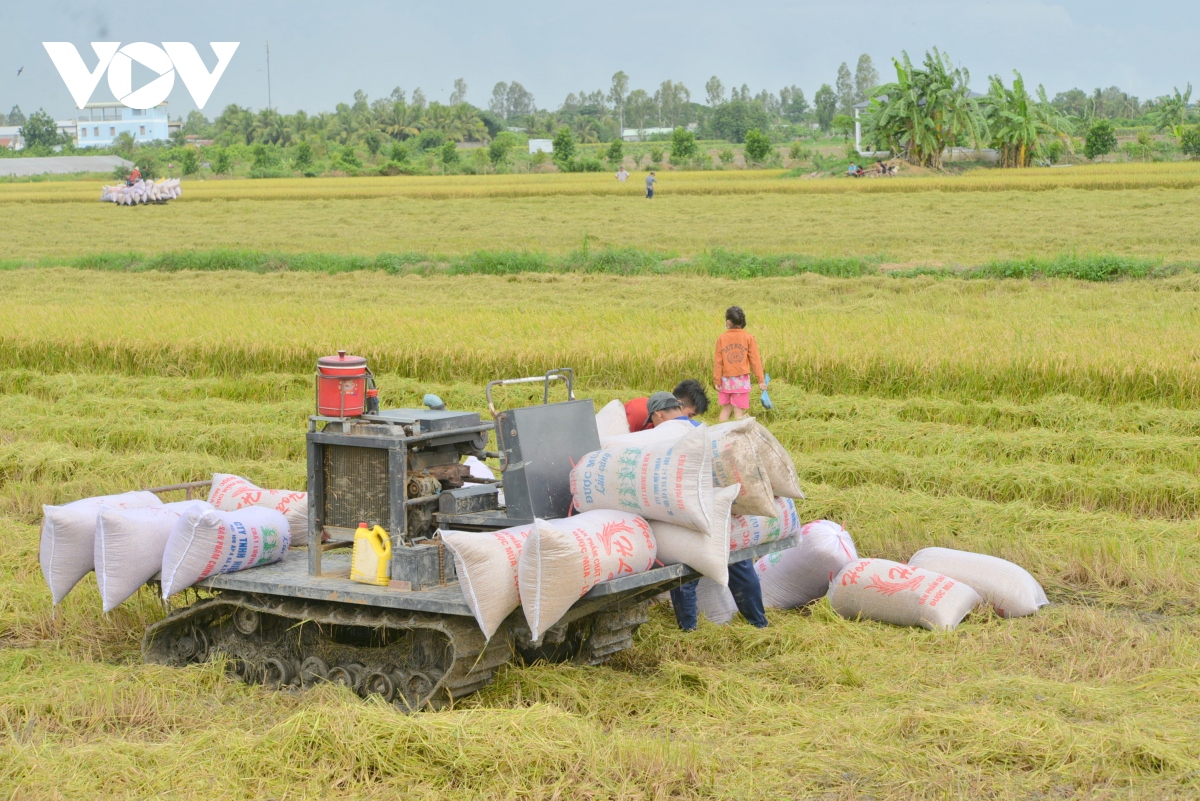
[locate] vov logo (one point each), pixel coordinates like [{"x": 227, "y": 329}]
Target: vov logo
[{"x": 172, "y": 57}]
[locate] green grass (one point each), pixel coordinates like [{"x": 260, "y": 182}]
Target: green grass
[{"x": 1053, "y": 423}]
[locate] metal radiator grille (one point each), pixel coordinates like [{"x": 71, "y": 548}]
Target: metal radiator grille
[{"x": 356, "y": 486}]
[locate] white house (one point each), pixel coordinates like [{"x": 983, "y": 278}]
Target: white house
[
  {"x": 544, "y": 145},
  {"x": 641, "y": 134},
  {"x": 104, "y": 122}
]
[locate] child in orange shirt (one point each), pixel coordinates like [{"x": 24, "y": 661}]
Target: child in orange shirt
[{"x": 735, "y": 359}]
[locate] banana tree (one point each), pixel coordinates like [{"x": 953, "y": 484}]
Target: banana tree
[
  {"x": 926, "y": 110},
  {"x": 1170, "y": 112},
  {"x": 1022, "y": 125}
]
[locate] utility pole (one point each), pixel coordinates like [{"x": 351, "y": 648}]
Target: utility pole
[{"x": 269, "y": 106}]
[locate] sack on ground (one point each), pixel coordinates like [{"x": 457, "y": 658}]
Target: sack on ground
[
  {"x": 230, "y": 493},
  {"x": 1008, "y": 587},
  {"x": 715, "y": 602},
  {"x": 878, "y": 589},
  {"x": 777, "y": 462},
  {"x": 129, "y": 547},
  {"x": 563, "y": 559},
  {"x": 749, "y": 530},
  {"x": 611, "y": 421},
  {"x": 736, "y": 460},
  {"x": 486, "y": 562},
  {"x": 69, "y": 537},
  {"x": 706, "y": 552},
  {"x": 801, "y": 574},
  {"x": 669, "y": 483},
  {"x": 205, "y": 542}
]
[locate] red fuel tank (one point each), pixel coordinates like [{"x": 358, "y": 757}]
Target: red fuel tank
[{"x": 341, "y": 385}]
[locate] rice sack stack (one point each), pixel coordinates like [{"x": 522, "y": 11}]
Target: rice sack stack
[
  {"x": 1008, "y": 587},
  {"x": 749, "y": 530},
  {"x": 801, "y": 574},
  {"x": 68, "y": 548},
  {"x": 205, "y": 542},
  {"x": 230, "y": 493},
  {"x": 734, "y": 457},
  {"x": 706, "y": 552},
  {"x": 877, "y": 589},
  {"x": 657, "y": 481},
  {"x": 486, "y": 562},
  {"x": 130, "y": 544},
  {"x": 777, "y": 463},
  {"x": 563, "y": 559}
]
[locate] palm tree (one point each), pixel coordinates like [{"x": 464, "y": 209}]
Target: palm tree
[
  {"x": 400, "y": 121},
  {"x": 1021, "y": 126},
  {"x": 925, "y": 111}
]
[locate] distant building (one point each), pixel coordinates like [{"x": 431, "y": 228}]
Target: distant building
[
  {"x": 10, "y": 135},
  {"x": 544, "y": 145},
  {"x": 104, "y": 122}
]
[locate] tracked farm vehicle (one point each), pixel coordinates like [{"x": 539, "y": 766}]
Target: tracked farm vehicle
[{"x": 413, "y": 642}]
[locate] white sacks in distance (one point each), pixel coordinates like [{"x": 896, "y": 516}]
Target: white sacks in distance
[
  {"x": 878, "y": 589},
  {"x": 206, "y": 542},
  {"x": 801, "y": 574},
  {"x": 230, "y": 492},
  {"x": 129, "y": 547},
  {"x": 672, "y": 483},
  {"x": 486, "y": 562},
  {"x": 706, "y": 552},
  {"x": 1008, "y": 587},
  {"x": 749, "y": 530},
  {"x": 563, "y": 559},
  {"x": 69, "y": 537}
]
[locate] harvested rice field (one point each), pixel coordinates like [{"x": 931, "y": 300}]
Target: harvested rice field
[{"x": 1055, "y": 423}]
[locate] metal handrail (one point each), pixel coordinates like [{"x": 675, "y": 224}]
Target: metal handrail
[
  {"x": 188, "y": 486},
  {"x": 557, "y": 374}
]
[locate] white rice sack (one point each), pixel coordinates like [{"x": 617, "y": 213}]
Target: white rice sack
[
  {"x": 750, "y": 530},
  {"x": 205, "y": 542},
  {"x": 777, "y": 462},
  {"x": 69, "y": 537},
  {"x": 611, "y": 421},
  {"x": 1006, "y": 586},
  {"x": 129, "y": 547},
  {"x": 659, "y": 482},
  {"x": 486, "y": 562},
  {"x": 663, "y": 435},
  {"x": 563, "y": 559},
  {"x": 802, "y": 574},
  {"x": 877, "y": 589},
  {"x": 706, "y": 552},
  {"x": 715, "y": 602},
  {"x": 234, "y": 492},
  {"x": 736, "y": 460}
]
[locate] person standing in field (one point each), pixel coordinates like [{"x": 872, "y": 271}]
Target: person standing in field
[
  {"x": 735, "y": 359},
  {"x": 622, "y": 175},
  {"x": 650, "y": 182}
]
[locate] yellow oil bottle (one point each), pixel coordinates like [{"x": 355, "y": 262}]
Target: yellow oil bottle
[{"x": 372, "y": 560}]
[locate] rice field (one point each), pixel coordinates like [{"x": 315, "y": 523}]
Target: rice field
[
  {"x": 1054, "y": 423},
  {"x": 1136, "y": 210}
]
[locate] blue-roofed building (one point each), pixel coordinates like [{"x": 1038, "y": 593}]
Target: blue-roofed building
[{"x": 100, "y": 123}]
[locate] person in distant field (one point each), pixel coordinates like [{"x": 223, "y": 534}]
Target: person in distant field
[
  {"x": 650, "y": 182},
  {"x": 134, "y": 176},
  {"x": 882, "y": 167},
  {"x": 736, "y": 357},
  {"x": 852, "y": 170},
  {"x": 622, "y": 175},
  {"x": 692, "y": 397}
]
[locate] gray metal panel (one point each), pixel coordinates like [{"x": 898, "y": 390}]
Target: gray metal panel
[
  {"x": 540, "y": 445},
  {"x": 429, "y": 419}
]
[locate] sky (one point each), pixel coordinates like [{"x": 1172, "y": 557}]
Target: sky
[{"x": 322, "y": 52}]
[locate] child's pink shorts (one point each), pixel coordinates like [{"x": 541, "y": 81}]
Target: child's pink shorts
[{"x": 735, "y": 391}]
